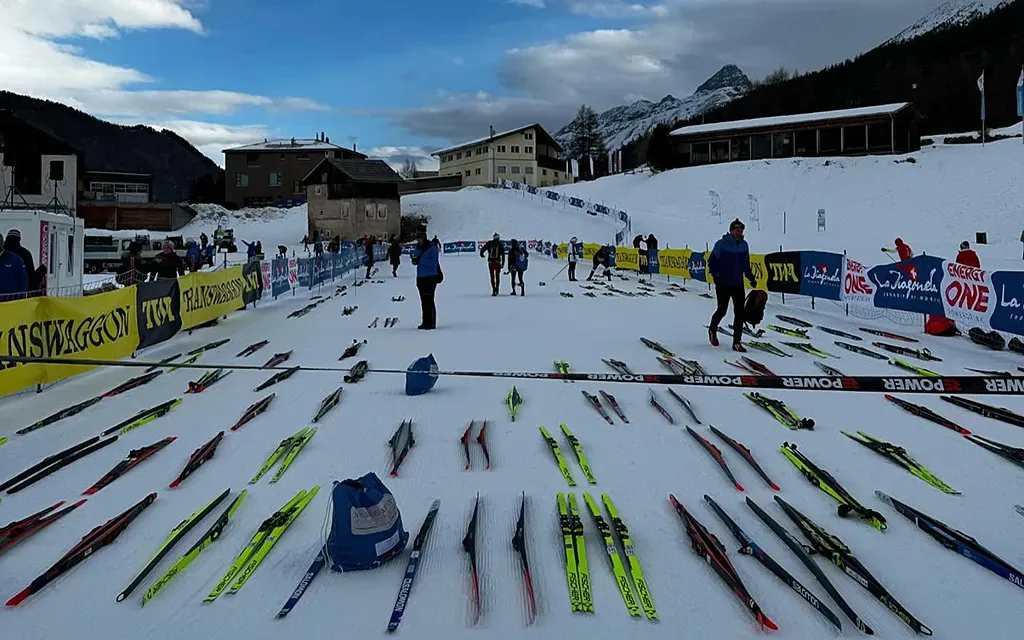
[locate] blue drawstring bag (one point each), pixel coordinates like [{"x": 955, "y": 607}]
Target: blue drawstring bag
[
  {"x": 522, "y": 261},
  {"x": 366, "y": 526},
  {"x": 421, "y": 376}
]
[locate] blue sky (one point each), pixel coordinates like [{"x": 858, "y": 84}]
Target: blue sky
[{"x": 403, "y": 77}]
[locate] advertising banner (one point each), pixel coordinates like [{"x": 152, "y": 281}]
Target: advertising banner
[
  {"x": 967, "y": 294},
  {"x": 252, "y": 277},
  {"x": 821, "y": 275},
  {"x": 1008, "y": 305},
  {"x": 912, "y": 285},
  {"x": 159, "y": 311},
  {"x": 208, "y": 295},
  {"x": 674, "y": 262},
  {"x": 857, "y": 289},
  {"x": 280, "y": 283},
  {"x": 784, "y": 270}
]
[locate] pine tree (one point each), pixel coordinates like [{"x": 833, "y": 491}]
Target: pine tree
[
  {"x": 585, "y": 141},
  {"x": 659, "y": 152}
]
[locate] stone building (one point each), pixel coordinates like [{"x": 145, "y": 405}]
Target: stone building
[{"x": 353, "y": 198}]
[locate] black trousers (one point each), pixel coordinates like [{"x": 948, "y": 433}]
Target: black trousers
[
  {"x": 725, "y": 293},
  {"x": 427, "y": 286},
  {"x": 572, "y": 271}
]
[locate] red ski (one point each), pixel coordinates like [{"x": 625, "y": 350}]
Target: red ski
[
  {"x": 252, "y": 348},
  {"x": 887, "y": 334},
  {"x": 746, "y": 455},
  {"x": 134, "y": 458},
  {"x": 596, "y": 403},
  {"x": 277, "y": 358},
  {"x": 20, "y": 529},
  {"x": 198, "y": 457},
  {"x": 254, "y": 410},
  {"x": 99, "y": 537},
  {"x": 482, "y": 441},
  {"x": 135, "y": 382}
]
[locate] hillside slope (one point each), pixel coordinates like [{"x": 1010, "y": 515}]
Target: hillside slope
[
  {"x": 105, "y": 146},
  {"x": 947, "y": 194},
  {"x": 953, "y": 13}
]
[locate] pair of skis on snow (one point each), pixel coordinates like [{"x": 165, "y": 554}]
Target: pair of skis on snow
[
  {"x": 388, "y": 322},
  {"x": 481, "y": 439},
  {"x": 577, "y": 448},
  {"x": 285, "y": 453}
]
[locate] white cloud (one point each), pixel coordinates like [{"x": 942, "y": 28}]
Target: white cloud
[
  {"x": 396, "y": 156},
  {"x": 37, "y": 60},
  {"x": 540, "y": 4},
  {"x": 617, "y": 9}
]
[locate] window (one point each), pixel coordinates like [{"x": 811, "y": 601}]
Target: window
[
  {"x": 829, "y": 140},
  {"x": 297, "y": 187},
  {"x": 477, "y": 172},
  {"x": 720, "y": 151},
  {"x": 501, "y": 148},
  {"x": 527, "y": 149},
  {"x": 71, "y": 253},
  {"x": 528, "y": 135},
  {"x": 782, "y": 145},
  {"x": 458, "y": 156},
  {"x": 515, "y": 148},
  {"x": 501, "y": 168},
  {"x": 252, "y": 159},
  {"x": 479, "y": 151},
  {"x": 556, "y": 174},
  {"x": 303, "y": 156},
  {"x": 740, "y": 148},
  {"x": 241, "y": 179},
  {"x": 855, "y": 138},
  {"x": 371, "y": 210},
  {"x": 805, "y": 143},
  {"x": 346, "y": 210},
  {"x": 467, "y": 172},
  {"x": 879, "y": 136},
  {"x": 382, "y": 211},
  {"x": 760, "y": 146},
  {"x": 274, "y": 179},
  {"x": 528, "y": 170},
  {"x": 515, "y": 169},
  {"x": 544, "y": 172}
]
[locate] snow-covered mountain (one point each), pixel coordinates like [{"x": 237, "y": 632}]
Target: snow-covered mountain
[
  {"x": 948, "y": 14},
  {"x": 619, "y": 125}
]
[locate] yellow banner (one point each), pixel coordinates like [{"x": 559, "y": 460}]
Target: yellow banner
[
  {"x": 674, "y": 262},
  {"x": 760, "y": 271},
  {"x": 206, "y": 296},
  {"x": 628, "y": 258},
  {"x": 102, "y": 326},
  {"x": 589, "y": 249}
]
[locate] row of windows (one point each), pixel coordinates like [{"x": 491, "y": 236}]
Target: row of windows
[
  {"x": 118, "y": 187},
  {"x": 252, "y": 158},
  {"x": 502, "y": 169},
  {"x": 273, "y": 180},
  {"x": 372, "y": 210},
  {"x": 873, "y": 137},
  {"x": 479, "y": 151}
]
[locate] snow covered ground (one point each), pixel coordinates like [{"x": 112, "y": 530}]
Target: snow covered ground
[
  {"x": 636, "y": 464},
  {"x": 947, "y": 194}
]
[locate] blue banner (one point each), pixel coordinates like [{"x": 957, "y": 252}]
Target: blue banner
[
  {"x": 1008, "y": 307},
  {"x": 279, "y": 277},
  {"x": 652, "y": 261},
  {"x": 460, "y": 246},
  {"x": 822, "y": 275},
  {"x": 698, "y": 267},
  {"x": 912, "y": 285}
]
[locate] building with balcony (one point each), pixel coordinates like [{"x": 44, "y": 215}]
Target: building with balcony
[
  {"x": 528, "y": 155},
  {"x": 270, "y": 173}
]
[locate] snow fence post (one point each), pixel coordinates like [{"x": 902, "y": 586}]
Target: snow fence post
[{"x": 783, "y": 292}]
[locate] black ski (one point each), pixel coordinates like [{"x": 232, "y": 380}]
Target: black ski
[
  {"x": 328, "y": 403},
  {"x": 414, "y": 562},
  {"x": 67, "y": 412},
  {"x": 253, "y": 410},
  {"x": 54, "y": 463},
  {"x": 277, "y": 377},
  {"x": 401, "y": 442},
  {"x": 519, "y": 546},
  {"x": 252, "y": 348},
  {"x": 469, "y": 546}
]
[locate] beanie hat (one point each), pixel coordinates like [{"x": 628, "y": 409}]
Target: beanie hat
[
  {"x": 14, "y": 233},
  {"x": 736, "y": 224},
  {"x": 964, "y": 246}
]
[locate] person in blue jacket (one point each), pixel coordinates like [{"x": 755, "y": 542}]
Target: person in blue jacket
[
  {"x": 728, "y": 264},
  {"x": 13, "y": 276},
  {"x": 194, "y": 257},
  {"x": 428, "y": 276}
]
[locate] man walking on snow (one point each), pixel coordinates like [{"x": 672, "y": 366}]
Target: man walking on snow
[
  {"x": 728, "y": 264},
  {"x": 495, "y": 251}
]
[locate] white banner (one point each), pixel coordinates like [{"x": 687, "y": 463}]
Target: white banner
[
  {"x": 967, "y": 294},
  {"x": 857, "y": 289}
]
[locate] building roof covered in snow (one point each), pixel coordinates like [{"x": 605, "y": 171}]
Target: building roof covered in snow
[{"x": 799, "y": 120}]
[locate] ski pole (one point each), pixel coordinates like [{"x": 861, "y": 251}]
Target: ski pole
[{"x": 559, "y": 271}]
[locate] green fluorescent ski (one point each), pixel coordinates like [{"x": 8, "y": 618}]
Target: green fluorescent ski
[
  {"x": 278, "y": 523},
  {"x": 578, "y": 449},
  {"x": 582, "y": 566},
  {"x": 618, "y": 570},
  {"x": 572, "y": 576},
  {"x": 283, "y": 451},
  {"x": 292, "y": 452},
  {"x": 208, "y": 538},
  {"x": 639, "y": 581},
  {"x": 514, "y": 401},
  {"x": 899, "y": 455},
  {"x": 177, "y": 533},
  {"x": 562, "y": 466},
  {"x": 250, "y": 549}
]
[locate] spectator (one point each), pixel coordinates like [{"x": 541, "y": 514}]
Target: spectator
[
  {"x": 495, "y": 251},
  {"x": 250, "y": 250},
  {"x": 428, "y": 276},
  {"x": 729, "y": 264},
  {"x": 967, "y": 256},
  {"x": 193, "y": 257},
  {"x": 518, "y": 260},
  {"x": 368, "y": 248},
  {"x": 903, "y": 250},
  {"x": 13, "y": 276},
  {"x": 13, "y": 244},
  {"x": 436, "y": 243},
  {"x": 573, "y": 255},
  {"x": 395, "y": 256},
  {"x": 167, "y": 264}
]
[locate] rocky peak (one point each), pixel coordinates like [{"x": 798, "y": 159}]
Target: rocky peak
[{"x": 728, "y": 77}]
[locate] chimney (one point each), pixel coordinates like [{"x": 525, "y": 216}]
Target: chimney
[
  {"x": 492, "y": 130},
  {"x": 328, "y": 139}
]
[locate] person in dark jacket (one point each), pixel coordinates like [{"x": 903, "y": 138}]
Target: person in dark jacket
[
  {"x": 967, "y": 256},
  {"x": 602, "y": 257},
  {"x": 495, "y": 251},
  {"x": 428, "y": 276},
  {"x": 395, "y": 256},
  {"x": 368, "y": 243},
  {"x": 517, "y": 257},
  {"x": 13, "y": 244},
  {"x": 13, "y": 276},
  {"x": 436, "y": 243},
  {"x": 167, "y": 264},
  {"x": 193, "y": 257},
  {"x": 729, "y": 264}
]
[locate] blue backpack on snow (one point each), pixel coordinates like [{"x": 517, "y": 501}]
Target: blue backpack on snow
[{"x": 366, "y": 526}]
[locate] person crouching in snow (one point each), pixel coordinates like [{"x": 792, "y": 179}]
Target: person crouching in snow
[
  {"x": 729, "y": 264},
  {"x": 967, "y": 256},
  {"x": 602, "y": 257}
]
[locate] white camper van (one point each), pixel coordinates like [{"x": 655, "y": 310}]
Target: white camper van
[{"x": 55, "y": 240}]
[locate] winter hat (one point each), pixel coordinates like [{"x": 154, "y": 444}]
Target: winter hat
[
  {"x": 964, "y": 246},
  {"x": 14, "y": 233},
  {"x": 572, "y": 239},
  {"x": 496, "y": 236},
  {"x": 736, "y": 224},
  {"x": 168, "y": 245}
]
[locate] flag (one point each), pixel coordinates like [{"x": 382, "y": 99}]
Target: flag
[
  {"x": 1020, "y": 93},
  {"x": 981, "y": 88}
]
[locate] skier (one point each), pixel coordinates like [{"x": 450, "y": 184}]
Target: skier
[
  {"x": 282, "y": 251},
  {"x": 395, "y": 255},
  {"x": 167, "y": 264},
  {"x": 13, "y": 276},
  {"x": 602, "y": 257},
  {"x": 573, "y": 255},
  {"x": 903, "y": 250},
  {"x": 967, "y": 256},
  {"x": 428, "y": 276},
  {"x": 368, "y": 247},
  {"x": 495, "y": 251},
  {"x": 729, "y": 264},
  {"x": 517, "y": 264}
]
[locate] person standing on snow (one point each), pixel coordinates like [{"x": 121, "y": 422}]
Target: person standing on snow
[
  {"x": 495, "y": 251},
  {"x": 167, "y": 264},
  {"x": 967, "y": 256},
  {"x": 13, "y": 244},
  {"x": 368, "y": 247},
  {"x": 428, "y": 276},
  {"x": 573, "y": 255},
  {"x": 394, "y": 255},
  {"x": 903, "y": 250},
  {"x": 13, "y": 276},
  {"x": 729, "y": 264},
  {"x": 517, "y": 264},
  {"x": 602, "y": 257}
]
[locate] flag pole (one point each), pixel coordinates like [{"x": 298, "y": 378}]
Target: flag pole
[{"x": 981, "y": 87}]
